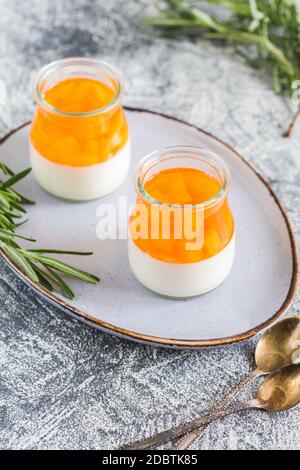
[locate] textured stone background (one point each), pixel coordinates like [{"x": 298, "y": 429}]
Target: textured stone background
[{"x": 63, "y": 384}]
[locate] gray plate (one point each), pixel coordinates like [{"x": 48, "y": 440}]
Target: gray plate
[{"x": 259, "y": 290}]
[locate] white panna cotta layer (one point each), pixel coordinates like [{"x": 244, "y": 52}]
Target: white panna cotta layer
[
  {"x": 81, "y": 183},
  {"x": 181, "y": 280}
]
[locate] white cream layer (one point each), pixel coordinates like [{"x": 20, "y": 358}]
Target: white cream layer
[
  {"x": 181, "y": 280},
  {"x": 81, "y": 183}
]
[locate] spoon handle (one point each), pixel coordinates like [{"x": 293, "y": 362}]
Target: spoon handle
[
  {"x": 178, "y": 431},
  {"x": 189, "y": 438}
]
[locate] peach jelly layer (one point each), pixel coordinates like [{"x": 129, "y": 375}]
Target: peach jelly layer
[
  {"x": 74, "y": 139},
  {"x": 181, "y": 186}
]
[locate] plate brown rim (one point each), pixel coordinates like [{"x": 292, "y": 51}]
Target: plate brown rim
[{"x": 168, "y": 342}]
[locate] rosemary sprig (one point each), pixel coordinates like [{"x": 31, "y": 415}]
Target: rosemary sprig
[
  {"x": 44, "y": 270},
  {"x": 270, "y": 27}
]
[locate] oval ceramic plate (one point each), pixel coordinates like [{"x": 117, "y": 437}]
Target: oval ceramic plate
[{"x": 259, "y": 290}]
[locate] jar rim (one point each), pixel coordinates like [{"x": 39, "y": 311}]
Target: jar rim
[
  {"x": 112, "y": 71},
  {"x": 176, "y": 152}
]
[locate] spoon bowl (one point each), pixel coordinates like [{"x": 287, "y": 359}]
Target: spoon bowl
[
  {"x": 281, "y": 391},
  {"x": 279, "y": 346}
]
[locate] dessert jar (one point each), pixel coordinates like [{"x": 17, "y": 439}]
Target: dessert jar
[
  {"x": 79, "y": 137},
  {"x": 181, "y": 234}
]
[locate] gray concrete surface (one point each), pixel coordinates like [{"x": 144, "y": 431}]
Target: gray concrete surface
[{"x": 64, "y": 385}]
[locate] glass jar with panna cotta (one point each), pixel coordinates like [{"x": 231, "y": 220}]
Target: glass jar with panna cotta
[
  {"x": 181, "y": 229},
  {"x": 79, "y": 138}
]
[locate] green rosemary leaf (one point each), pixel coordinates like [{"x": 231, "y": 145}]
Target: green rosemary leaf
[
  {"x": 62, "y": 267},
  {"x": 5, "y": 169},
  {"x": 236, "y": 6},
  {"x": 18, "y": 207},
  {"x": 6, "y": 222},
  {"x": 43, "y": 278},
  {"x": 61, "y": 252},
  {"x": 23, "y": 199},
  {"x": 13, "y": 214},
  {"x": 5, "y": 237},
  {"x": 66, "y": 289},
  {"x": 8, "y": 195},
  {"x": 20, "y": 260},
  {"x": 11, "y": 242},
  {"x": 168, "y": 22},
  {"x": 15, "y": 235},
  {"x": 4, "y": 200},
  {"x": 11, "y": 194},
  {"x": 29, "y": 261},
  {"x": 203, "y": 19},
  {"x": 17, "y": 177},
  {"x": 22, "y": 223}
]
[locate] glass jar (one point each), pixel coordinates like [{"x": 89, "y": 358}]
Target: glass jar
[
  {"x": 79, "y": 138},
  {"x": 181, "y": 229}
]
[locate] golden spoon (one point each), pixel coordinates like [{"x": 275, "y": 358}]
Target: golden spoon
[
  {"x": 279, "y": 392},
  {"x": 278, "y": 347}
]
